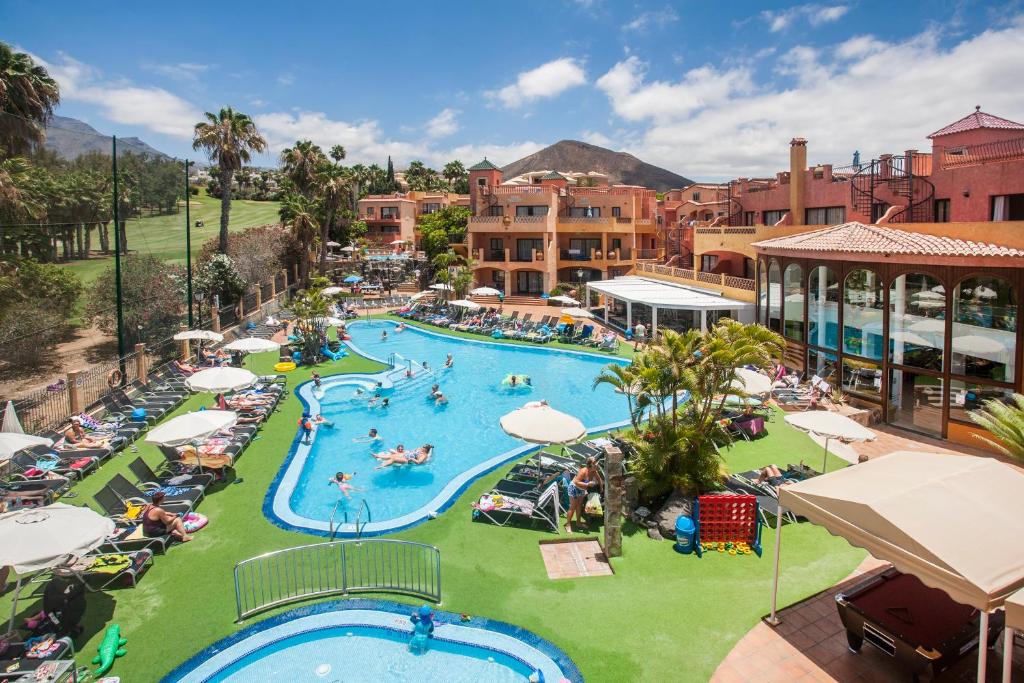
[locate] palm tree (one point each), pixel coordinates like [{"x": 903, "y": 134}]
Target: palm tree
[
  {"x": 453, "y": 171},
  {"x": 300, "y": 163},
  {"x": 300, "y": 213},
  {"x": 228, "y": 137},
  {"x": 338, "y": 153},
  {"x": 1005, "y": 422},
  {"x": 27, "y": 97},
  {"x": 623, "y": 379},
  {"x": 332, "y": 187}
]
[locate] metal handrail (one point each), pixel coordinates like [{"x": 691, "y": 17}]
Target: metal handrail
[{"x": 337, "y": 567}]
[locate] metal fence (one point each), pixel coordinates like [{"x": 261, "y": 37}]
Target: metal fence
[{"x": 337, "y": 567}]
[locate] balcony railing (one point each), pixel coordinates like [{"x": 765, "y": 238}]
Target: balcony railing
[
  {"x": 647, "y": 254},
  {"x": 382, "y": 217},
  {"x": 534, "y": 220},
  {"x": 574, "y": 255},
  {"x": 485, "y": 220},
  {"x": 717, "y": 279},
  {"x": 582, "y": 219}
]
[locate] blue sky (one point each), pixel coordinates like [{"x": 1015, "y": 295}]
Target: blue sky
[{"x": 710, "y": 90}]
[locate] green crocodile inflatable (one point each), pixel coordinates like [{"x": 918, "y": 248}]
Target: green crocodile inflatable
[{"x": 111, "y": 648}]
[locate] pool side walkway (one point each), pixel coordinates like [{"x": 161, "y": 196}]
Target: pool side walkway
[{"x": 810, "y": 643}]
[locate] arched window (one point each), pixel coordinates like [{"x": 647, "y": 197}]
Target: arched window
[
  {"x": 917, "y": 321},
  {"x": 862, "y": 314},
  {"x": 774, "y": 297},
  {"x": 823, "y": 307},
  {"x": 793, "y": 302},
  {"x": 984, "y": 329},
  {"x": 762, "y": 302}
]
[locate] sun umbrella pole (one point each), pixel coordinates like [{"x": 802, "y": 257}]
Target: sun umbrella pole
[
  {"x": 1007, "y": 653},
  {"x": 14, "y": 605},
  {"x": 824, "y": 462},
  {"x": 773, "y": 620}
]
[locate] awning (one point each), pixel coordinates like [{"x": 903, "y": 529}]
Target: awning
[
  {"x": 664, "y": 295},
  {"x": 953, "y": 521}
]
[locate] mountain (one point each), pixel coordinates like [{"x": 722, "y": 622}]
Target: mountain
[
  {"x": 71, "y": 138},
  {"x": 573, "y": 155}
]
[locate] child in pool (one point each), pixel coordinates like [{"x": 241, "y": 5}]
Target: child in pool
[
  {"x": 384, "y": 336},
  {"x": 449, "y": 361},
  {"x": 341, "y": 480},
  {"x": 321, "y": 420}
]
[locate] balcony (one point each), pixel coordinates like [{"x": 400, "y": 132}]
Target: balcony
[
  {"x": 509, "y": 223},
  {"x": 489, "y": 258},
  {"x": 377, "y": 218},
  {"x": 595, "y": 255}
]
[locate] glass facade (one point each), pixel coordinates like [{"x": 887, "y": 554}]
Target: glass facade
[
  {"x": 793, "y": 302},
  {"x": 774, "y": 297}
]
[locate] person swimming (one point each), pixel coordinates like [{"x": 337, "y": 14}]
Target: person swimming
[
  {"x": 321, "y": 420},
  {"x": 316, "y": 378},
  {"x": 425, "y": 366},
  {"x": 341, "y": 480},
  {"x": 396, "y": 456},
  {"x": 449, "y": 361},
  {"x": 435, "y": 391},
  {"x": 422, "y": 454},
  {"x": 440, "y": 399},
  {"x": 371, "y": 437},
  {"x": 513, "y": 380},
  {"x": 384, "y": 335}
]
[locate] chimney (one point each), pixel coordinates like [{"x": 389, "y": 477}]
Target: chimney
[{"x": 797, "y": 179}]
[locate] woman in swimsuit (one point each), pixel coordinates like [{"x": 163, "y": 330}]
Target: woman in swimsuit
[
  {"x": 588, "y": 477},
  {"x": 159, "y": 522},
  {"x": 395, "y": 457},
  {"x": 422, "y": 454}
]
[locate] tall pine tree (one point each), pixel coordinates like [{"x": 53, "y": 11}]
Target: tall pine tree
[{"x": 392, "y": 185}]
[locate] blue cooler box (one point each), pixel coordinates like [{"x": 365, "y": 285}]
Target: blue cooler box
[{"x": 686, "y": 533}]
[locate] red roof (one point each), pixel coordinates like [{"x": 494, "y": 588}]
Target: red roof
[
  {"x": 857, "y": 238},
  {"x": 978, "y": 119}
]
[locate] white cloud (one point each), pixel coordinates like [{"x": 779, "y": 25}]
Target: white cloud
[
  {"x": 635, "y": 100},
  {"x": 444, "y": 124},
  {"x": 121, "y": 101},
  {"x": 647, "y": 20},
  {"x": 286, "y": 79},
  {"x": 596, "y": 138},
  {"x": 182, "y": 71},
  {"x": 547, "y": 80},
  {"x": 816, "y": 15},
  {"x": 714, "y": 124}
]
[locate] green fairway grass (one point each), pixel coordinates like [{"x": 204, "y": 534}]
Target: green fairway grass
[{"x": 661, "y": 617}]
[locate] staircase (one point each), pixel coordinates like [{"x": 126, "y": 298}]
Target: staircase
[
  {"x": 676, "y": 252},
  {"x": 519, "y": 300},
  {"x": 900, "y": 177}
]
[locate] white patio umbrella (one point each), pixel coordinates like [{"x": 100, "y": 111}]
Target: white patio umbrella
[
  {"x": 32, "y": 539},
  {"x": 181, "y": 430},
  {"x": 331, "y": 291},
  {"x": 12, "y": 442},
  {"x": 539, "y": 423},
  {"x": 985, "y": 293},
  {"x": 973, "y": 344},
  {"x": 930, "y": 304},
  {"x": 928, "y": 294},
  {"x": 397, "y": 242},
  {"x": 577, "y": 313},
  {"x": 464, "y": 303},
  {"x": 221, "y": 380},
  {"x": 348, "y": 248},
  {"x": 331, "y": 321},
  {"x": 442, "y": 287},
  {"x": 199, "y": 335},
  {"x": 751, "y": 382},
  {"x": 12, "y": 425},
  {"x": 334, "y": 244},
  {"x": 829, "y": 425},
  {"x": 253, "y": 345},
  {"x": 485, "y": 291},
  {"x": 939, "y": 288},
  {"x": 563, "y": 299},
  {"x": 420, "y": 295}
]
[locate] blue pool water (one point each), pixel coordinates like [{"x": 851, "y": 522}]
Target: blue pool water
[
  {"x": 371, "y": 654},
  {"x": 465, "y": 432},
  {"x": 366, "y": 641}
]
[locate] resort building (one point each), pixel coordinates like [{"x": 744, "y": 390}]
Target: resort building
[
  {"x": 393, "y": 217},
  {"x": 525, "y": 238}
]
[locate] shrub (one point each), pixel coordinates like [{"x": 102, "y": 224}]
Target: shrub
[{"x": 153, "y": 299}]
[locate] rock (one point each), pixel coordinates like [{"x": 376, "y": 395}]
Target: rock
[
  {"x": 676, "y": 505},
  {"x": 655, "y": 535}
]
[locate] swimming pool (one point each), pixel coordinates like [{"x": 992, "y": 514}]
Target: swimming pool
[
  {"x": 466, "y": 435},
  {"x": 364, "y": 640}
]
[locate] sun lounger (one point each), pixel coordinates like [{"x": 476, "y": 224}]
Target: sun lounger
[
  {"x": 18, "y": 666},
  {"x": 174, "y": 494},
  {"x": 529, "y": 506},
  {"x": 36, "y": 464},
  {"x": 116, "y": 507},
  {"x": 767, "y": 505},
  {"x": 101, "y": 570},
  {"x": 128, "y": 536},
  {"x": 147, "y": 476}
]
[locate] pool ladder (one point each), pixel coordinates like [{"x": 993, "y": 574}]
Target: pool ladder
[{"x": 360, "y": 523}]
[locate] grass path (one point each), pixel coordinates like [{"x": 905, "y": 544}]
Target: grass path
[
  {"x": 164, "y": 236},
  {"x": 661, "y": 617}
]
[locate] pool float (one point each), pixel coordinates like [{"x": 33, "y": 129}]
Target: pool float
[
  {"x": 285, "y": 366},
  {"x": 522, "y": 382},
  {"x": 333, "y": 355},
  {"x": 194, "y": 521},
  {"x": 110, "y": 648}
]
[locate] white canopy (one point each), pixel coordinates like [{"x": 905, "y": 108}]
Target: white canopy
[
  {"x": 751, "y": 382},
  {"x": 334, "y": 244},
  {"x": 200, "y": 335},
  {"x": 830, "y": 425},
  {"x": 420, "y": 295},
  {"x": 182, "y": 429},
  {"x": 577, "y": 313},
  {"x": 563, "y": 299},
  {"x": 537, "y": 422},
  {"x": 397, "y": 242},
  {"x": 12, "y": 442},
  {"x": 331, "y": 291},
  {"x": 485, "y": 291},
  {"x": 665, "y": 295},
  {"x": 928, "y": 326},
  {"x": 974, "y": 344},
  {"x": 220, "y": 380},
  {"x": 11, "y": 424},
  {"x": 349, "y": 248},
  {"x": 331, "y": 321},
  {"x": 442, "y": 287},
  {"x": 464, "y": 303},
  {"x": 37, "y": 538},
  {"x": 253, "y": 345}
]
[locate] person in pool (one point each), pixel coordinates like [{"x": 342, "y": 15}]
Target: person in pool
[
  {"x": 400, "y": 327},
  {"x": 397, "y": 456},
  {"x": 341, "y": 480},
  {"x": 321, "y": 420},
  {"x": 384, "y": 336},
  {"x": 513, "y": 381},
  {"x": 435, "y": 391},
  {"x": 440, "y": 399},
  {"x": 425, "y": 366},
  {"x": 422, "y": 454},
  {"x": 371, "y": 437},
  {"x": 316, "y": 378},
  {"x": 449, "y": 361}
]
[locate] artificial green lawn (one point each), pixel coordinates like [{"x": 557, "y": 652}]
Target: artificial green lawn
[
  {"x": 661, "y": 617},
  {"x": 163, "y": 236}
]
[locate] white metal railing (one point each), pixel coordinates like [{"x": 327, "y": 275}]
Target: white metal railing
[{"x": 337, "y": 567}]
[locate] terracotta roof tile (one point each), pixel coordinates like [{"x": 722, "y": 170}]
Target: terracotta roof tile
[
  {"x": 977, "y": 119},
  {"x": 857, "y": 238}
]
